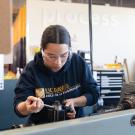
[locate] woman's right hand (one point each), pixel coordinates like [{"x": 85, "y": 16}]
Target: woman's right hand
[{"x": 34, "y": 104}]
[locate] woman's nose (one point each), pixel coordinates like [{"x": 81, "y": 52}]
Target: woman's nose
[{"x": 58, "y": 61}]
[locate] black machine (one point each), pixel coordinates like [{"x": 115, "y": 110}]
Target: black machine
[{"x": 57, "y": 112}]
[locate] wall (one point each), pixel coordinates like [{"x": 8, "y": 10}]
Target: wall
[
  {"x": 113, "y": 35},
  {"x": 8, "y": 118},
  {"x": 113, "y": 29},
  {"x": 6, "y": 30},
  {"x": 73, "y": 16}
]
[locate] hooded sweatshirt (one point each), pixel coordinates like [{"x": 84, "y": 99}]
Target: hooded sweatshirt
[{"x": 74, "y": 79}]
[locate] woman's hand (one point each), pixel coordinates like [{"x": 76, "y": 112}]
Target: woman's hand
[
  {"x": 34, "y": 104},
  {"x": 70, "y": 103}
]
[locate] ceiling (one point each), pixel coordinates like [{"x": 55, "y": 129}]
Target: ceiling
[{"x": 118, "y": 3}]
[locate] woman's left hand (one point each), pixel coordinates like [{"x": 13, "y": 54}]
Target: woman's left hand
[{"x": 70, "y": 103}]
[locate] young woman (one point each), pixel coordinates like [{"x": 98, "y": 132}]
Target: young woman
[{"x": 55, "y": 74}]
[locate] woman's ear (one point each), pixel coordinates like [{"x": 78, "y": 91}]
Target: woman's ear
[
  {"x": 43, "y": 56},
  {"x": 42, "y": 52},
  {"x": 70, "y": 54}
]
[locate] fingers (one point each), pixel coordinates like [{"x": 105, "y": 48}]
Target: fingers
[
  {"x": 71, "y": 115},
  {"x": 39, "y": 103},
  {"x": 34, "y": 104},
  {"x": 70, "y": 102}
]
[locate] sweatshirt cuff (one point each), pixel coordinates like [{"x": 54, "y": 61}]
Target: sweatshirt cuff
[{"x": 89, "y": 99}]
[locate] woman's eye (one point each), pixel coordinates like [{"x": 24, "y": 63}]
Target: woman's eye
[{"x": 54, "y": 57}]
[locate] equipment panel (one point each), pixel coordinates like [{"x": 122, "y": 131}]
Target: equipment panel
[{"x": 110, "y": 83}]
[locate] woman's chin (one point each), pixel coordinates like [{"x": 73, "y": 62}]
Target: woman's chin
[{"x": 56, "y": 69}]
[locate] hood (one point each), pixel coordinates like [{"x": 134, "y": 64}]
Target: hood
[{"x": 38, "y": 60}]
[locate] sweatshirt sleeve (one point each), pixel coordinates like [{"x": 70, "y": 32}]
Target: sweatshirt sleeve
[
  {"x": 24, "y": 87},
  {"x": 89, "y": 86}
]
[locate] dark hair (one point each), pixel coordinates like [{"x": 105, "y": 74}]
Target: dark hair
[{"x": 55, "y": 34}]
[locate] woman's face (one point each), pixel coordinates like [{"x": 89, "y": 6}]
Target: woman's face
[{"x": 55, "y": 56}]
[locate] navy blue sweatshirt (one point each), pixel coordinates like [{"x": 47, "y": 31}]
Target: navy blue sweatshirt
[{"x": 74, "y": 79}]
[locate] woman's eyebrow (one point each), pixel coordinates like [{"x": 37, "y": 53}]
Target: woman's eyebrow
[{"x": 57, "y": 54}]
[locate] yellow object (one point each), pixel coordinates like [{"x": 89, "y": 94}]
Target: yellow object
[
  {"x": 19, "y": 25},
  {"x": 113, "y": 66},
  {"x": 10, "y": 75},
  {"x": 36, "y": 49}
]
